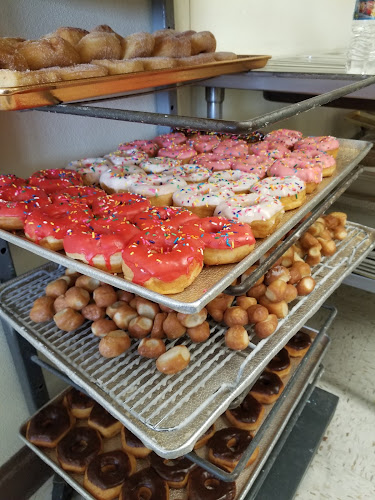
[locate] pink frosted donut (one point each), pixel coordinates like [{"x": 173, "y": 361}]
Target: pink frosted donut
[
  {"x": 55, "y": 179},
  {"x": 148, "y": 147},
  {"x": 204, "y": 143},
  {"x": 315, "y": 157},
  {"x": 232, "y": 148},
  {"x": 183, "y": 153},
  {"x": 168, "y": 140},
  {"x": 325, "y": 143},
  {"x": 309, "y": 173},
  {"x": 11, "y": 180},
  {"x": 276, "y": 151},
  {"x": 253, "y": 164},
  {"x": 289, "y": 137}
]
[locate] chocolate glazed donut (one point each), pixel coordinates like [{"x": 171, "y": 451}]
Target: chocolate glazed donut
[
  {"x": 280, "y": 364},
  {"x": 247, "y": 415},
  {"x": 145, "y": 483},
  {"x": 131, "y": 444},
  {"x": 175, "y": 472},
  {"x": 267, "y": 388},
  {"x": 106, "y": 473},
  {"x": 79, "y": 404},
  {"x": 76, "y": 450},
  {"x": 49, "y": 426},
  {"x": 227, "y": 446},
  {"x": 205, "y": 486},
  {"x": 298, "y": 345},
  {"x": 103, "y": 422}
]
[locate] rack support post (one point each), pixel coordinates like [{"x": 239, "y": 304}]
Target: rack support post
[{"x": 215, "y": 98}]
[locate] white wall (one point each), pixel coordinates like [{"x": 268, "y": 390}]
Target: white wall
[{"x": 32, "y": 140}]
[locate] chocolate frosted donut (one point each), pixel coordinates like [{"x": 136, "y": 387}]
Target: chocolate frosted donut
[
  {"x": 205, "y": 437},
  {"x": 280, "y": 364},
  {"x": 267, "y": 388},
  {"x": 78, "y": 403},
  {"x": 145, "y": 483},
  {"x": 106, "y": 473},
  {"x": 247, "y": 415},
  {"x": 298, "y": 345},
  {"x": 103, "y": 422},
  {"x": 205, "y": 486},
  {"x": 175, "y": 472},
  {"x": 131, "y": 444},
  {"x": 76, "y": 450},
  {"x": 227, "y": 446},
  {"x": 48, "y": 426}
]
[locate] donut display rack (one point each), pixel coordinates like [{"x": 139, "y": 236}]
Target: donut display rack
[
  {"x": 33, "y": 96},
  {"x": 304, "y": 374},
  {"x": 170, "y": 413},
  {"x": 213, "y": 280}
]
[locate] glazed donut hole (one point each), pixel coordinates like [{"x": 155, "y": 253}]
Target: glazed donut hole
[
  {"x": 290, "y": 293},
  {"x": 305, "y": 286},
  {"x": 165, "y": 308},
  {"x": 264, "y": 329},
  {"x": 151, "y": 348},
  {"x": 123, "y": 316},
  {"x": 60, "y": 303},
  {"x": 199, "y": 333},
  {"x": 68, "y": 319},
  {"x": 146, "y": 308},
  {"x": 77, "y": 298},
  {"x": 114, "y": 344},
  {"x": 192, "y": 320},
  {"x": 236, "y": 338},
  {"x": 245, "y": 302},
  {"x": 157, "y": 331},
  {"x": 235, "y": 316},
  {"x": 116, "y": 306},
  {"x": 277, "y": 273},
  {"x": 174, "y": 360},
  {"x": 56, "y": 288},
  {"x": 87, "y": 283},
  {"x": 104, "y": 295},
  {"x": 173, "y": 329},
  {"x": 42, "y": 310},
  {"x": 92, "y": 312},
  {"x": 140, "y": 327},
  {"x": 276, "y": 291},
  {"x": 280, "y": 309},
  {"x": 124, "y": 296},
  {"x": 257, "y": 291},
  {"x": 102, "y": 327},
  {"x": 257, "y": 313}
]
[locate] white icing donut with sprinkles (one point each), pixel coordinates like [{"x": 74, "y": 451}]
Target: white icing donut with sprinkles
[
  {"x": 290, "y": 190},
  {"x": 201, "y": 199}
]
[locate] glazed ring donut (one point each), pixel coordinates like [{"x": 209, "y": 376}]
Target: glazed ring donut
[
  {"x": 307, "y": 171},
  {"x": 148, "y": 147},
  {"x": 298, "y": 345},
  {"x": 267, "y": 388},
  {"x": 49, "y": 225},
  {"x": 107, "y": 472},
  {"x": 55, "y": 179},
  {"x": 159, "y": 165},
  {"x": 202, "y": 199},
  {"x": 167, "y": 267},
  {"x": 78, "y": 403},
  {"x": 17, "y": 202},
  {"x": 49, "y": 426},
  {"x": 262, "y": 213},
  {"x": 90, "y": 169},
  {"x": 103, "y": 422},
  {"x": 145, "y": 483},
  {"x": 175, "y": 471},
  {"x": 98, "y": 249},
  {"x": 253, "y": 164},
  {"x": 280, "y": 364},
  {"x": 203, "y": 485},
  {"x": 225, "y": 242},
  {"x": 132, "y": 445},
  {"x": 227, "y": 446},
  {"x": 248, "y": 415},
  {"x": 290, "y": 190},
  {"x": 204, "y": 438},
  {"x": 76, "y": 450},
  {"x": 232, "y": 148}
]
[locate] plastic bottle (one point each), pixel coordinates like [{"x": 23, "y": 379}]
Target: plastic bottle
[{"x": 361, "y": 52}]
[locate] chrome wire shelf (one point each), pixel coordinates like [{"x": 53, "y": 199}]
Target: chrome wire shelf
[{"x": 169, "y": 413}]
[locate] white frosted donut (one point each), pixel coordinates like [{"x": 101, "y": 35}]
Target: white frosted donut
[
  {"x": 290, "y": 190},
  {"x": 158, "y": 164},
  {"x": 121, "y": 158},
  {"x": 157, "y": 188},
  {"x": 119, "y": 180},
  {"x": 90, "y": 169},
  {"x": 191, "y": 173},
  {"x": 202, "y": 199},
  {"x": 262, "y": 213},
  {"x": 236, "y": 180}
]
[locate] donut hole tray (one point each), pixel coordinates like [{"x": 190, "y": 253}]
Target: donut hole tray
[
  {"x": 303, "y": 371},
  {"x": 214, "y": 279},
  {"x": 169, "y": 413}
]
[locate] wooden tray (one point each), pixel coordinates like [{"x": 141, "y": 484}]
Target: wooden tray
[{"x": 34, "y": 96}]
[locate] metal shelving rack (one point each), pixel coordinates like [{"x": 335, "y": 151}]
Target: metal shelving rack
[{"x": 23, "y": 354}]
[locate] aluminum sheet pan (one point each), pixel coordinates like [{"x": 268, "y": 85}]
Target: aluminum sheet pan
[
  {"x": 169, "y": 413},
  {"x": 33, "y": 96},
  {"x": 213, "y": 279},
  {"x": 269, "y": 438}
]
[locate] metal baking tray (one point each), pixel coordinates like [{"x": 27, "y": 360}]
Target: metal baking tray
[
  {"x": 214, "y": 279},
  {"x": 33, "y": 96},
  {"x": 169, "y": 413},
  {"x": 307, "y": 371}
]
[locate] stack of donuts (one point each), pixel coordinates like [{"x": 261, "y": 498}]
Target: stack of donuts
[
  {"x": 119, "y": 317},
  {"x": 77, "y": 430},
  {"x": 72, "y": 53}
]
